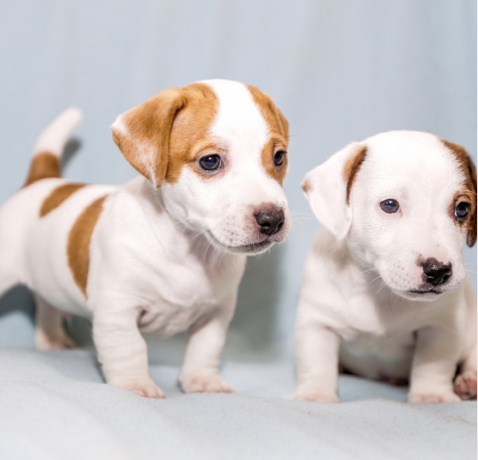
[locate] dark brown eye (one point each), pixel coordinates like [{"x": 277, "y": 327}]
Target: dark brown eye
[
  {"x": 279, "y": 157},
  {"x": 210, "y": 162},
  {"x": 462, "y": 209},
  {"x": 390, "y": 206}
]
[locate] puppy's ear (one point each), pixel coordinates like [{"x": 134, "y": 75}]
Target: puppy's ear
[
  {"x": 471, "y": 236},
  {"x": 328, "y": 188},
  {"x": 142, "y": 134},
  {"x": 468, "y": 168}
]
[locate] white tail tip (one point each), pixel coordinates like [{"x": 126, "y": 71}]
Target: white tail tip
[{"x": 57, "y": 133}]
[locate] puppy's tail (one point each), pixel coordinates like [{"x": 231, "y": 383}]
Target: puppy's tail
[{"x": 49, "y": 147}]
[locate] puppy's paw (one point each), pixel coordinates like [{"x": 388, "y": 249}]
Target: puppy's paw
[
  {"x": 52, "y": 342},
  {"x": 144, "y": 388},
  {"x": 433, "y": 398},
  {"x": 196, "y": 383},
  {"x": 313, "y": 396},
  {"x": 465, "y": 385}
]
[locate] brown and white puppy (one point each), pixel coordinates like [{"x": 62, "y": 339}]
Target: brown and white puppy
[
  {"x": 385, "y": 290},
  {"x": 164, "y": 253}
]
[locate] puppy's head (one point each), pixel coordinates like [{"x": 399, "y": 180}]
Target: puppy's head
[
  {"x": 406, "y": 203},
  {"x": 218, "y": 151}
]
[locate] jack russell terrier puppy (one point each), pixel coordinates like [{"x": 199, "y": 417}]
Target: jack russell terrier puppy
[
  {"x": 164, "y": 253},
  {"x": 385, "y": 291}
]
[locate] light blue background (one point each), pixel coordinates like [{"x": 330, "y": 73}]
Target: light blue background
[{"x": 340, "y": 71}]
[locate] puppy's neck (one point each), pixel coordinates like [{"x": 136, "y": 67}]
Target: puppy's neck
[{"x": 167, "y": 226}]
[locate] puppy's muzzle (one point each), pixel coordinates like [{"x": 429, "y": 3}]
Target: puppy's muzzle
[
  {"x": 436, "y": 273},
  {"x": 270, "y": 221}
]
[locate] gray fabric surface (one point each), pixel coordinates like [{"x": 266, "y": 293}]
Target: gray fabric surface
[{"x": 55, "y": 406}]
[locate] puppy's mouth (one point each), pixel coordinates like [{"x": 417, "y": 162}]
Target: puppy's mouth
[
  {"x": 425, "y": 291},
  {"x": 247, "y": 249},
  {"x": 425, "y": 295},
  {"x": 253, "y": 248}
]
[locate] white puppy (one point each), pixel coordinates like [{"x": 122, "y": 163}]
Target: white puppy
[
  {"x": 385, "y": 291},
  {"x": 164, "y": 253}
]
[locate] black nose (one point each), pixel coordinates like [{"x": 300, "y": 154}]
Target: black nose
[
  {"x": 270, "y": 221},
  {"x": 436, "y": 273}
]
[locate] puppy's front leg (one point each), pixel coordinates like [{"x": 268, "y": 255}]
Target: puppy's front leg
[
  {"x": 317, "y": 350},
  {"x": 434, "y": 365},
  {"x": 200, "y": 371},
  {"x": 122, "y": 351}
]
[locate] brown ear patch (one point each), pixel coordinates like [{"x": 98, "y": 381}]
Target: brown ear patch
[
  {"x": 78, "y": 249},
  {"x": 142, "y": 134},
  {"x": 190, "y": 133},
  {"x": 58, "y": 196},
  {"x": 352, "y": 167},
  {"x": 278, "y": 133},
  {"x": 468, "y": 168},
  {"x": 161, "y": 136},
  {"x": 43, "y": 166}
]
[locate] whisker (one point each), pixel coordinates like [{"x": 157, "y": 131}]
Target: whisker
[{"x": 381, "y": 287}]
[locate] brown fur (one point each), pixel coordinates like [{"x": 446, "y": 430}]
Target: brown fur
[
  {"x": 166, "y": 131},
  {"x": 58, "y": 196},
  {"x": 352, "y": 167},
  {"x": 278, "y": 134},
  {"x": 43, "y": 166},
  {"x": 306, "y": 187},
  {"x": 190, "y": 136},
  {"x": 469, "y": 192},
  {"x": 79, "y": 239}
]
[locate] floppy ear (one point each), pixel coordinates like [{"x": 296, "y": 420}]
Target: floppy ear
[
  {"x": 328, "y": 186},
  {"x": 142, "y": 134},
  {"x": 470, "y": 172},
  {"x": 468, "y": 168},
  {"x": 471, "y": 238}
]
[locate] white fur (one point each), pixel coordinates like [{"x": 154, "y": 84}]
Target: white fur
[
  {"x": 162, "y": 260},
  {"x": 355, "y": 306},
  {"x": 54, "y": 137}
]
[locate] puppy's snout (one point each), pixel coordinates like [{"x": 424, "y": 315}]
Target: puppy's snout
[
  {"x": 436, "y": 273},
  {"x": 270, "y": 221}
]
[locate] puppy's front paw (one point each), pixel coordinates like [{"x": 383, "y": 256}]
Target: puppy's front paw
[
  {"x": 465, "y": 385},
  {"x": 433, "y": 398},
  {"x": 52, "y": 342},
  {"x": 196, "y": 383},
  {"x": 144, "y": 388},
  {"x": 313, "y": 396}
]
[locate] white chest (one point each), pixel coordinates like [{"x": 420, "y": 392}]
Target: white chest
[{"x": 187, "y": 292}]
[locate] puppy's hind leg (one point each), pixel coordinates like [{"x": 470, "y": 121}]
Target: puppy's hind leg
[
  {"x": 465, "y": 381},
  {"x": 50, "y": 332}
]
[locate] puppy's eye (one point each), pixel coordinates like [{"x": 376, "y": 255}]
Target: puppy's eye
[
  {"x": 462, "y": 209},
  {"x": 279, "y": 157},
  {"x": 390, "y": 206},
  {"x": 210, "y": 162}
]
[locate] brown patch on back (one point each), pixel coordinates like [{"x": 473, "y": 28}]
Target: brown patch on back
[
  {"x": 43, "y": 165},
  {"x": 352, "y": 167},
  {"x": 78, "y": 249},
  {"x": 190, "y": 134},
  {"x": 58, "y": 196},
  {"x": 278, "y": 133},
  {"x": 469, "y": 193}
]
